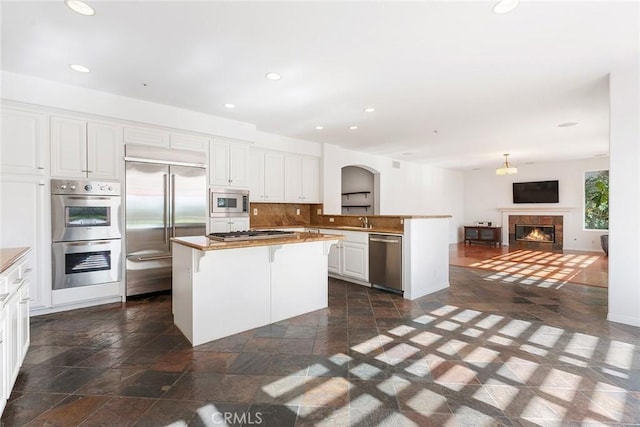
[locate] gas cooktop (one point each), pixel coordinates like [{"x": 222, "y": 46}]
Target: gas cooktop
[{"x": 250, "y": 235}]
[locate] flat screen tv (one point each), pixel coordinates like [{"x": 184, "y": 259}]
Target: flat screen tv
[{"x": 535, "y": 192}]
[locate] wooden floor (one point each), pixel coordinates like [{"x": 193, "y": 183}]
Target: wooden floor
[{"x": 547, "y": 268}]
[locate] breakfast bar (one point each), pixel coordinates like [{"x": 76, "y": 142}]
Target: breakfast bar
[{"x": 224, "y": 287}]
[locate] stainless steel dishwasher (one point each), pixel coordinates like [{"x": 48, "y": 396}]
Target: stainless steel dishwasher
[{"x": 385, "y": 261}]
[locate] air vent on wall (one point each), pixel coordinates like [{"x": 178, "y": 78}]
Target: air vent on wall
[{"x": 396, "y": 164}]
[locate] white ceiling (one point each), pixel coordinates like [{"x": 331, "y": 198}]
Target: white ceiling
[{"x": 487, "y": 83}]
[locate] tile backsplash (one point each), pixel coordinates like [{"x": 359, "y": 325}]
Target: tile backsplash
[{"x": 279, "y": 215}]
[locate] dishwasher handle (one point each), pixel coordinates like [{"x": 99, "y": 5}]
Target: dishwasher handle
[{"x": 377, "y": 239}]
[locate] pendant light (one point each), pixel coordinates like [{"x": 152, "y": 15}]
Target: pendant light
[{"x": 506, "y": 168}]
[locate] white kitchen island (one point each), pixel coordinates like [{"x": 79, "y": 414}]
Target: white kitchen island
[{"x": 222, "y": 288}]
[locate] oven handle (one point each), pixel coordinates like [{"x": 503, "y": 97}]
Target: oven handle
[
  {"x": 88, "y": 198},
  {"x": 90, "y": 243},
  {"x": 142, "y": 258},
  {"x": 173, "y": 205},
  {"x": 165, "y": 212}
]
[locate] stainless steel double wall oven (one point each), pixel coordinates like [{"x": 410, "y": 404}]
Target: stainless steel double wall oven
[{"x": 86, "y": 232}]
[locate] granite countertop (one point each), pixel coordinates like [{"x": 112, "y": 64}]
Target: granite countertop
[
  {"x": 333, "y": 227},
  {"x": 203, "y": 243},
  {"x": 9, "y": 256}
]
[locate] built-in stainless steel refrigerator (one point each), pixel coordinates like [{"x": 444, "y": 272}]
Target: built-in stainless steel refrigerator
[{"x": 165, "y": 196}]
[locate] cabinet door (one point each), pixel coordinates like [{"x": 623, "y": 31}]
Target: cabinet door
[
  {"x": 25, "y": 221},
  {"x": 239, "y": 224},
  {"x": 334, "y": 258},
  {"x": 104, "y": 151},
  {"x": 256, "y": 176},
  {"x": 24, "y": 336},
  {"x": 147, "y": 136},
  {"x": 311, "y": 179},
  {"x": 355, "y": 260},
  {"x": 219, "y": 225},
  {"x": 68, "y": 148},
  {"x": 471, "y": 234},
  {"x": 4, "y": 392},
  {"x": 219, "y": 164},
  {"x": 487, "y": 234},
  {"x": 11, "y": 340},
  {"x": 23, "y": 142},
  {"x": 293, "y": 178},
  {"x": 239, "y": 165},
  {"x": 273, "y": 177},
  {"x": 184, "y": 141}
]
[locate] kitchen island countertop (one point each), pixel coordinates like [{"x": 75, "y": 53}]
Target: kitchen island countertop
[
  {"x": 203, "y": 243},
  {"x": 8, "y": 256}
]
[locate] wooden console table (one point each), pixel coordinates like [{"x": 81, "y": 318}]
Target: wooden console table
[{"x": 483, "y": 234}]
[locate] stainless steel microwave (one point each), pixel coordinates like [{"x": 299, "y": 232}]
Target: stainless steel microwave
[{"x": 224, "y": 202}]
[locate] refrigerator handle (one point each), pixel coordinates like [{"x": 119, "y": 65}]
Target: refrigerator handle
[
  {"x": 173, "y": 205},
  {"x": 165, "y": 213}
]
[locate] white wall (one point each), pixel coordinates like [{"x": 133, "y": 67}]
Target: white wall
[
  {"x": 37, "y": 91},
  {"x": 485, "y": 192},
  {"x": 624, "y": 214},
  {"x": 412, "y": 189}
]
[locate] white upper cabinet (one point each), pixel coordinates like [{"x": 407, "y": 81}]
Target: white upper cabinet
[
  {"x": 81, "y": 149},
  {"x": 104, "y": 151},
  {"x": 147, "y": 136},
  {"x": 185, "y": 141},
  {"x": 266, "y": 176},
  {"x": 68, "y": 147},
  {"x": 24, "y": 144},
  {"x": 229, "y": 164},
  {"x": 302, "y": 179}
]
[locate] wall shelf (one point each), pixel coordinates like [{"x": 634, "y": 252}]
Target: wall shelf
[
  {"x": 351, "y": 193},
  {"x": 366, "y": 207}
]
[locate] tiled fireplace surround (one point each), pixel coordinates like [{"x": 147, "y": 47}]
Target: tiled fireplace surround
[{"x": 547, "y": 220}]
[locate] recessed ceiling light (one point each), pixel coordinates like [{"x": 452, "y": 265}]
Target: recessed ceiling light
[
  {"x": 230, "y": 106},
  {"x": 566, "y": 125},
  {"x": 273, "y": 76},
  {"x": 505, "y": 6},
  {"x": 80, "y": 7},
  {"x": 79, "y": 68},
  {"x": 369, "y": 110},
  {"x": 353, "y": 127},
  {"x": 319, "y": 127}
]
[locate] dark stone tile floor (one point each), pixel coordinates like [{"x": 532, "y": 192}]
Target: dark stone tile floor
[{"x": 483, "y": 352}]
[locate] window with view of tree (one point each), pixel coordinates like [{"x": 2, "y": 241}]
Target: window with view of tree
[{"x": 596, "y": 200}]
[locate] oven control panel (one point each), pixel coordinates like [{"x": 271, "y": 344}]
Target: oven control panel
[{"x": 97, "y": 188}]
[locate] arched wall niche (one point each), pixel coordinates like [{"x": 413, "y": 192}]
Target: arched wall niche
[{"x": 360, "y": 190}]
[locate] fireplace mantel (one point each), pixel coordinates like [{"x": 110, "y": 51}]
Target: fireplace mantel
[{"x": 538, "y": 209}]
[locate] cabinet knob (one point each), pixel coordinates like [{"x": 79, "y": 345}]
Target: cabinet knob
[{"x": 40, "y": 168}]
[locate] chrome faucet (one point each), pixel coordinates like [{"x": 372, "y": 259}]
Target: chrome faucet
[{"x": 365, "y": 221}]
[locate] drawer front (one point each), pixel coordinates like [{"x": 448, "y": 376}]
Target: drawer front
[{"x": 26, "y": 267}]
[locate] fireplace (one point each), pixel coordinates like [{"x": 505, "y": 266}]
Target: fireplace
[{"x": 536, "y": 233}]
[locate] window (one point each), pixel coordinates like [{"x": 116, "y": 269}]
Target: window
[{"x": 596, "y": 200}]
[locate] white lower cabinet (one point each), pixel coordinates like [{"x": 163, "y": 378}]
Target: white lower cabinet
[
  {"x": 349, "y": 258},
  {"x": 226, "y": 225},
  {"x": 355, "y": 257},
  {"x": 334, "y": 258},
  {"x": 14, "y": 323}
]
